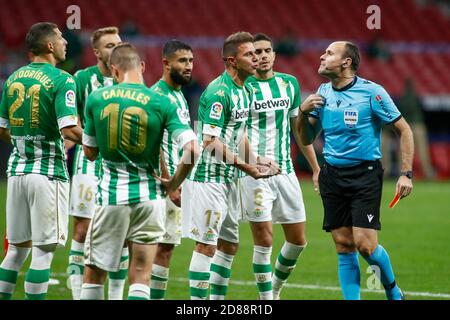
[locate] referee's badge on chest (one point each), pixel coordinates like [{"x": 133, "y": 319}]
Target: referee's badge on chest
[{"x": 350, "y": 118}]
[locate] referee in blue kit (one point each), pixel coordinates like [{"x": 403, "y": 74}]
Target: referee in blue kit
[{"x": 351, "y": 111}]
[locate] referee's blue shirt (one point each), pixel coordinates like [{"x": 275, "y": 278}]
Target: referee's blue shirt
[{"x": 351, "y": 120}]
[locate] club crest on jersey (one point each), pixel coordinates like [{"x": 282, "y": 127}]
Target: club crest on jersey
[
  {"x": 209, "y": 235},
  {"x": 107, "y": 82},
  {"x": 70, "y": 99},
  {"x": 183, "y": 115},
  {"x": 350, "y": 118},
  {"x": 95, "y": 84},
  {"x": 258, "y": 211},
  {"x": 216, "y": 111}
]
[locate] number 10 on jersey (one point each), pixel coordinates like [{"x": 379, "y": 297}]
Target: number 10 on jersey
[{"x": 130, "y": 125}]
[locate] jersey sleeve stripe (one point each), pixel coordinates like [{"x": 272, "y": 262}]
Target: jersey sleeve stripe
[
  {"x": 89, "y": 141},
  {"x": 395, "y": 120},
  {"x": 67, "y": 121},
  {"x": 186, "y": 137},
  {"x": 293, "y": 113},
  {"x": 212, "y": 130}
]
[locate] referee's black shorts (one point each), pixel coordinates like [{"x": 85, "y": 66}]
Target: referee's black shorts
[{"x": 351, "y": 196}]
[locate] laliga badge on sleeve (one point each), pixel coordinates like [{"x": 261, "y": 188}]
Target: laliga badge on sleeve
[{"x": 395, "y": 200}]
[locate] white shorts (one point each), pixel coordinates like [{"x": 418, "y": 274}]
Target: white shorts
[
  {"x": 172, "y": 224},
  {"x": 82, "y": 195},
  {"x": 142, "y": 223},
  {"x": 36, "y": 210},
  {"x": 210, "y": 211},
  {"x": 278, "y": 199}
]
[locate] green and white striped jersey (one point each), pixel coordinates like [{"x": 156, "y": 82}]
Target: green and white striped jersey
[
  {"x": 275, "y": 101},
  {"x": 87, "y": 80},
  {"x": 223, "y": 113},
  {"x": 172, "y": 152},
  {"x": 38, "y": 101},
  {"x": 126, "y": 122}
]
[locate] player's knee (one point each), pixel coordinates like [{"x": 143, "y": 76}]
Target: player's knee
[
  {"x": 93, "y": 274},
  {"x": 206, "y": 249},
  {"x": 297, "y": 239},
  {"x": 80, "y": 228},
  {"x": 232, "y": 249},
  {"x": 366, "y": 249},
  {"x": 264, "y": 240},
  {"x": 227, "y": 247},
  {"x": 344, "y": 244},
  {"x": 299, "y": 242},
  {"x": 79, "y": 236},
  {"x": 164, "y": 252}
]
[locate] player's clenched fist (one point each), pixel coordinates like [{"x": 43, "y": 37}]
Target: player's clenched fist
[{"x": 313, "y": 101}]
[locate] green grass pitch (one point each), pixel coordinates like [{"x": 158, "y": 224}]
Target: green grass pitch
[{"x": 416, "y": 234}]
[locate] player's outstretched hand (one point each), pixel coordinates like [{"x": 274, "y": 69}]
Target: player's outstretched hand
[{"x": 404, "y": 186}]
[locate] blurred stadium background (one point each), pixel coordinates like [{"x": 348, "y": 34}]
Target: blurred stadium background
[{"x": 413, "y": 43}]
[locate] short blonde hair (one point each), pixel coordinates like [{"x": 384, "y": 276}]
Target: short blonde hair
[
  {"x": 96, "y": 36},
  {"x": 125, "y": 57},
  {"x": 231, "y": 44}
]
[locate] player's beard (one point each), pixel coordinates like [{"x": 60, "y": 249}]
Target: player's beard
[
  {"x": 104, "y": 61},
  {"x": 179, "y": 78}
]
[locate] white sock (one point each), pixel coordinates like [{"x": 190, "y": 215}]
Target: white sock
[
  {"x": 284, "y": 265},
  {"x": 139, "y": 291},
  {"x": 36, "y": 280},
  {"x": 9, "y": 269},
  {"x": 160, "y": 277},
  {"x": 90, "y": 291},
  {"x": 116, "y": 282},
  {"x": 76, "y": 268},
  {"x": 262, "y": 269},
  {"x": 115, "y": 289},
  {"x": 220, "y": 274},
  {"x": 199, "y": 275}
]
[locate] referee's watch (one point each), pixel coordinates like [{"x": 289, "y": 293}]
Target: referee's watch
[{"x": 408, "y": 174}]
